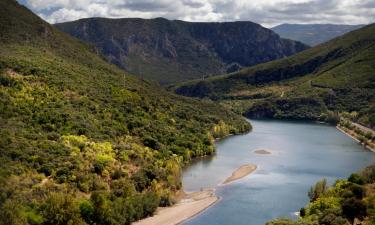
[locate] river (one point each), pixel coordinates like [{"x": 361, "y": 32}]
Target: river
[{"x": 302, "y": 153}]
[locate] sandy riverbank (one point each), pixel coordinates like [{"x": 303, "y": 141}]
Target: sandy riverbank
[
  {"x": 190, "y": 205},
  {"x": 241, "y": 172}
]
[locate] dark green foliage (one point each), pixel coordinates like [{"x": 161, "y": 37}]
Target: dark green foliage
[
  {"x": 332, "y": 217},
  {"x": 302, "y": 212},
  {"x": 353, "y": 208},
  {"x": 87, "y": 211}
]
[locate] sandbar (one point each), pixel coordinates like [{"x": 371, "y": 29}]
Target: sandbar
[{"x": 241, "y": 172}]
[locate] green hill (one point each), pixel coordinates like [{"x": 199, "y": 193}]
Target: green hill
[
  {"x": 336, "y": 76},
  {"x": 169, "y": 51},
  {"x": 80, "y": 141}
]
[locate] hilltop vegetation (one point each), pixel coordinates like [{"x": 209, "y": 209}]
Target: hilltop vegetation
[
  {"x": 335, "y": 77},
  {"x": 80, "y": 141},
  {"x": 347, "y": 201},
  {"x": 169, "y": 51},
  {"x": 313, "y": 34}
]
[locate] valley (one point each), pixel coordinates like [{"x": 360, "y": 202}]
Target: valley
[{"x": 119, "y": 121}]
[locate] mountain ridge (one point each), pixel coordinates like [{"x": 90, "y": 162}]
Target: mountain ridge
[
  {"x": 176, "y": 50},
  {"x": 313, "y": 34}
]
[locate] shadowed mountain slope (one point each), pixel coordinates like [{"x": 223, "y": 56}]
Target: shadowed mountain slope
[{"x": 171, "y": 51}]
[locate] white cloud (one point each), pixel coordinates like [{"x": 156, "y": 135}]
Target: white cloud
[{"x": 266, "y": 12}]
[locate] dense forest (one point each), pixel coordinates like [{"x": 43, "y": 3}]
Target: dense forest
[
  {"x": 83, "y": 143},
  {"x": 348, "y": 201}
]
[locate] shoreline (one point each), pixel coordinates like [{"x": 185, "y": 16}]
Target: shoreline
[
  {"x": 192, "y": 204},
  {"x": 355, "y": 138},
  {"x": 188, "y": 206}
]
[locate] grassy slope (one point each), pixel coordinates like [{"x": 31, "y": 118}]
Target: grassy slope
[
  {"x": 338, "y": 75},
  {"x": 73, "y": 126}
]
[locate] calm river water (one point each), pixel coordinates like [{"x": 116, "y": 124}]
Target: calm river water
[{"x": 302, "y": 153}]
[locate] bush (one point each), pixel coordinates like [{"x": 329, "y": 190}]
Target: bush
[
  {"x": 356, "y": 179},
  {"x": 353, "y": 208},
  {"x": 319, "y": 189},
  {"x": 60, "y": 209},
  {"x": 87, "y": 211}
]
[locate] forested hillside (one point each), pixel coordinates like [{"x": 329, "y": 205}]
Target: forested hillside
[
  {"x": 337, "y": 76},
  {"x": 81, "y": 142},
  {"x": 170, "y": 51}
]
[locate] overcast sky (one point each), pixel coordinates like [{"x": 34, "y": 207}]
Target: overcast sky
[{"x": 266, "y": 12}]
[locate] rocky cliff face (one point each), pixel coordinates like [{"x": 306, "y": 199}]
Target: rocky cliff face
[{"x": 172, "y": 51}]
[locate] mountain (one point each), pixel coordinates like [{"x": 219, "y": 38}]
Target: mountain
[
  {"x": 172, "y": 51},
  {"x": 82, "y": 142},
  {"x": 335, "y": 76},
  {"x": 313, "y": 34}
]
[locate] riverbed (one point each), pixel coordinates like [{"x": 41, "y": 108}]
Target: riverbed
[{"x": 300, "y": 154}]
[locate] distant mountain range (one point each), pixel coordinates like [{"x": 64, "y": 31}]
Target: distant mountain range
[
  {"x": 172, "y": 51},
  {"x": 313, "y": 34},
  {"x": 336, "y": 76}
]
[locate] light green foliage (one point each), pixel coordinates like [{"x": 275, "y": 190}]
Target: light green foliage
[
  {"x": 319, "y": 189},
  {"x": 60, "y": 209},
  {"x": 322, "y": 204}
]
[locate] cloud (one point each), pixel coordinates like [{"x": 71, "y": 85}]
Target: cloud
[{"x": 265, "y": 12}]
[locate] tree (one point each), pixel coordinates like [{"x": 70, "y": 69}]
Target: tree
[
  {"x": 353, "y": 208},
  {"x": 60, "y": 209},
  {"x": 319, "y": 189}
]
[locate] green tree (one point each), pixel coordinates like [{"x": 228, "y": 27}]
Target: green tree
[
  {"x": 317, "y": 190},
  {"x": 353, "y": 208},
  {"x": 60, "y": 209}
]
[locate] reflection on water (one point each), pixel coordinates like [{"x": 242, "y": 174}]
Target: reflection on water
[{"x": 302, "y": 153}]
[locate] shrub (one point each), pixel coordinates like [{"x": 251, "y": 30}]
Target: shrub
[
  {"x": 60, "y": 209},
  {"x": 356, "y": 179},
  {"x": 353, "y": 208},
  {"x": 319, "y": 189}
]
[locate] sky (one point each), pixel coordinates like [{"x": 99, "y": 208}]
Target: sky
[{"x": 266, "y": 12}]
